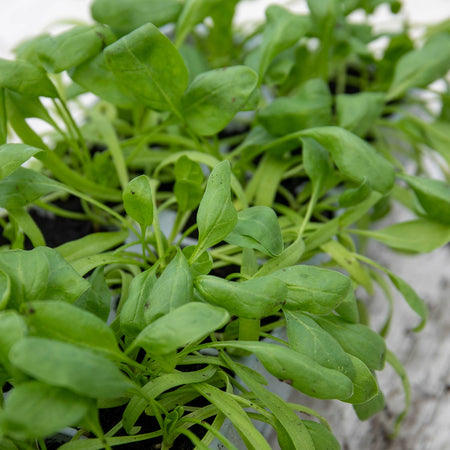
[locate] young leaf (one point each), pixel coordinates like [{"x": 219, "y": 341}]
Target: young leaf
[
  {"x": 316, "y": 161},
  {"x": 24, "y": 186},
  {"x": 188, "y": 183},
  {"x": 182, "y": 326},
  {"x": 63, "y": 321},
  {"x": 202, "y": 265},
  {"x": 306, "y": 375},
  {"x": 358, "y": 112},
  {"x": 352, "y": 197},
  {"x": 3, "y": 118},
  {"x": 257, "y": 228},
  {"x": 354, "y": 157},
  {"x": 313, "y": 289},
  {"x": 5, "y": 289},
  {"x": 356, "y": 339},
  {"x": 147, "y": 63},
  {"x": 282, "y": 30},
  {"x": 322, "y": 437},
  {"x": 96, "y": 299},
  {"x": 65, "y": 365},
  {"x": 348, "y": 308},
  {"x": 124, "y": 16},
  {"x": 40, "y": 274},
  {"x": 25, "y": 78},
  {"x": 251, "y": 299},
  {"x": 173, "y": 289},
  {"x": 365, "y": 385},
  {"x": 418, "y": 68},
  {"x": 68, "y": 49},
  {"x": 12, "y": 329},
  {"x": 216, "y": 215},
  {"x": 433, "y": 196},
  {"x": 137, "y": 201},
  {"x": 366, "y": 410},
  {"x": 411, "y": 297},
  {"x": 132, "y": 320},
  {"x": 309, "y": 108},
  {"x": 416, "y": 236},
  {"x": 37, "y": 410},
  {"x": 95, "y": 76},
  {"x": 214, "y": 97},
  {"x": 12, "y": 156},
  {"x": 91, "y": 244},
  {"x": 307, "y": 337},
  {"x": 236, "y": 414},
  {"x": 193, "y": 12}
]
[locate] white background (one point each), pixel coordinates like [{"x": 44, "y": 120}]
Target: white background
[{"x": 20, "y": 19}]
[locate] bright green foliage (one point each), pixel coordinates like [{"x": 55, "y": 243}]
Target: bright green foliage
[
  {"x": 313, "y": 289},
  {"x": 71, "y": 48},
  {"x": 214, "y": 97},
  {"x": 147, "y": 63},
  {"x": 124, "y": 16},
  {"x": 12, "y": 156},
  {"x": 252, "y": 299},
  {"x": 137, "y": 201},
  {"x": 257, "y": 228},
  {"x": 188, "y": 183},
  {"x": 216, "y": 215}
]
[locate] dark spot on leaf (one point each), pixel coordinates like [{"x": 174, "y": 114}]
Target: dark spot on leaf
[
  {"x": 224, "y": 68},
  {"x": 132, "y": 192},
  {"x": 349, "y": 261},
  {"x": 31, "y": 310},
  {"x": 146, "y": 305},
  {"x": 233, "y": 99}
]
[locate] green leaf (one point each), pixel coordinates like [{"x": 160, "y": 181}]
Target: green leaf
[
  {"x": 216, "y": 215},
  {"x": 289, "y": 424},
  {"x": 418, "y": 68},
  {"x": 182, "y": 326},
  {"x": 366, "y": 410},
  {"x": 65, "y": 365},
  {"x": 12, "y": 156},
  {"x": 313, "y": 289},
  {"x": 124, "y": 16},
  {"x": 91, "y": 244},
  {"x": 3, "y": 117},
  {"x": 25, "y": 78},
  {"x": 157, "y": 386},
  {"x": 12, "y": 329},
  {"x": 251, "y": 299},
  {"x": 307, "y": 337},
  {"x": 306, "y": 375},
  {"x": 282, "y": 30},
  {"x": 214, "y": 97},
  {"x": 24, "y": 186},
  {"x": 411, "y": 297},
  {"x": 202, "y": 265},
  {"x": 188, "y": 183},
  {"x": 37, "y": 410},
  {"x": 137, "y": 201},
  {"x": 96, "y": 299},
  {"x": 433, "y": 196},
  {"x": 174, "y": 288},
  {"x": 65, "y": 322},
  {"x": 354, "y": 157},
  {"x": 95, "y": 76},
  {"x": 147, "y": 63},
  {"x": 5, "y": 289},
  {"x": 40, "y": 274},
  {"x": 365, "y": 385},
  {"x": 236, "y": 414},
  {"x": 358, "y": 112},
  {"x": 322, "y": 437},
  {"x": 132, "y": 320},
  {"x": 416, "y": 236},
  {"x": 193, "y": 12},
  {"x": 257, "y": 228},
  {"x": 309, "y": 108},
  {"x": 348, "y": 308},
  {"x": 351, "y": 197},
  {"x": 356, "y": 339},
  {"x": 316, "y": 161},
  {"x": 28, "y": 107},
  {"x": 68, "y": 49}
]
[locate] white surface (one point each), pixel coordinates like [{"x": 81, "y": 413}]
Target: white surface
[{"x": 21, "y": 19}]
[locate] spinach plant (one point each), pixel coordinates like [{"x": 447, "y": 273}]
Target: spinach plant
[{"x": 273, "y": 152}]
